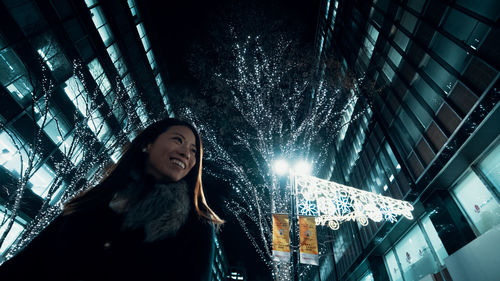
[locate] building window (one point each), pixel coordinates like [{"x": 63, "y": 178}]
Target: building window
[
  {"x": 392, "y": 266},
  {"x": 439, "y": 75},
  {"x": 401, "y": 40},
  {"x": 13, "y": 76},
  {"x": 465, "y": 28},
  {"x": 133, "y": 8},
  {"x": 15, "y": 231},
  {"x": 450, "y": 52},
  {"x": 51, "y": 121},
  {"x": 428, "y": 94},
  {"x": 490, "y": 167},
  {"x": 41, "y": 180},
  {"x": 413, "y": 258},
  {"x": 408, "y": 21},
  {"x": 487, "y": 8},
  {"x": 13, "y": 154},
  {"x": 477, "y": 202},
  {"x": 416, "y": 5},
  {"x": 422, "y": 115}
]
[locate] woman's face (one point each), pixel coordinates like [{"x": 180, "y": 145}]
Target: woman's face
[{"x": 172, "y": 155}]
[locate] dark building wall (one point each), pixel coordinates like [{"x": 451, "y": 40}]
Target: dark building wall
[{"x": 434, "y": 118}]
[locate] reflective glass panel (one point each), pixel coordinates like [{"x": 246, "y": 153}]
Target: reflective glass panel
[
  {"x": 433, "y": 236},
  {"x": 477, "y": 202},
  {"x": 41, "y": 180},
  {"x": 450, "y": 52},
  {"x": 15, "y": 231},
  {"x": 401, "y": 39},
  {"x": 12, "y": 158},
  {"x": 440, "y": 75},
  {"x": 428, "y": 94},
  {"x": 415, "y": 256},
  {"x": 487, "y": 8},
  {"x": 392, "y": 266},
  {"x": 409, "y": 21},
  {"x": 490, "y": 166}
]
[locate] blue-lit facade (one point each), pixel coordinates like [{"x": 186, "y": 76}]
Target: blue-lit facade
[
  {"x": 431, "y": 136},
  {"x": 57, "y": 58}
]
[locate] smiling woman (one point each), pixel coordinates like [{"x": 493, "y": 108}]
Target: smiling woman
[
  {"x": 172, "y": 155},
  {"x": 147, "y": 220}
]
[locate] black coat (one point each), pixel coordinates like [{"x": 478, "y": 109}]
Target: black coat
[{"x": 90, "y": 245}]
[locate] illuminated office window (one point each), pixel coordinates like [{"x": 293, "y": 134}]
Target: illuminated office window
[
  {"x": 99, "y": 76},
  {"x": 76, "y": 93},
  {"x": 51, "y": 54},
  {"x": 12, "y": 153},
  {"x": 90, "y": 3},
  {"x": 477, "y": 202},
  {"x": 388, "y": 71},
  {"x": 16, "y": 230},
  {"x": 141, "y": 112},
  {"x": 98, "y": 126},
  {"x": 13, "y": 76},
  {"x": 54, "y": 125},
  {"x": 121, "y": 67},
  {"x": 490, "y": 166},
  {"x": 132, "y": 6},
  {"x": 394, "y": 56},
  {"x": 368, "y": 276},
  {"x": 401, "y": 40},
  {"x": 327, "y": 9},
  {"x": 113, "y": 52},
  {"x": 392, "y": 266},
  {"x": 41, "y": 180},
  {"x": 72, "y": 149},
  {"x": 151, "y": 59},
  {"x": 415, "y": 256},
  {"x": 433, "y": 236}
]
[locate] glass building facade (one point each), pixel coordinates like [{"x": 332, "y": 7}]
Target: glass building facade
[
  {"x": 64, "y": 63},
  {"x": 431, "y": 136}
]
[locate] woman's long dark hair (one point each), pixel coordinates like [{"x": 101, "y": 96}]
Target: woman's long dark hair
[{"x": 134, "y": 159}]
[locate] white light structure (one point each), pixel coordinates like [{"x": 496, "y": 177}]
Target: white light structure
[{"x": 337, "y": 203}]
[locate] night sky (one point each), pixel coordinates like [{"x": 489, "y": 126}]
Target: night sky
[{"x": 175, "y": 27}]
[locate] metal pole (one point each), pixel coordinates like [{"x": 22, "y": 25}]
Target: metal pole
[{"x": 293, "y": 228}]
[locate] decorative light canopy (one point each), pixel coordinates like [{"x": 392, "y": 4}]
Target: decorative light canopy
[{"x": 336, "y": 203}]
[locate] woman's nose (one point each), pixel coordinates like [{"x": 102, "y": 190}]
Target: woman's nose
[{"x": 184, "y": 151}]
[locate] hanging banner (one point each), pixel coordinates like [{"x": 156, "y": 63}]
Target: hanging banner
[
  {"x": 308, "y": 241},
  {"x": 281, "y": 238}
]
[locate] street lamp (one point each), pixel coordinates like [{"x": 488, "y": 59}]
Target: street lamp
[
  {"x": 281, "y": 167},
  {"x": 335, "y": 203}
]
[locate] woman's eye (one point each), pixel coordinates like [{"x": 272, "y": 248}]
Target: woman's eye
[
  {"x": 193, "y": 151},
  {"x": 177, "y": 139}
]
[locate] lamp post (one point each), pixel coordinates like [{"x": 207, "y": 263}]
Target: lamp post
[
  {"x": 294, "y": 239},
  {"x": 336, "y": 203},
  {"x": 281, "y": 167}
]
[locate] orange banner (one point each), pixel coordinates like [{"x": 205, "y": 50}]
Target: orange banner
[
  {"x": 281, "y": 239},
  {"x": 308, "y": 241}
]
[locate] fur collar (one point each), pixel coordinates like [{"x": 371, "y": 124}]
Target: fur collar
[{"x": 161, "y": 212}]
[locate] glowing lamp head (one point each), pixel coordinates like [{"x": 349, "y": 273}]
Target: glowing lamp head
[{"x": 280, "y": 167}]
